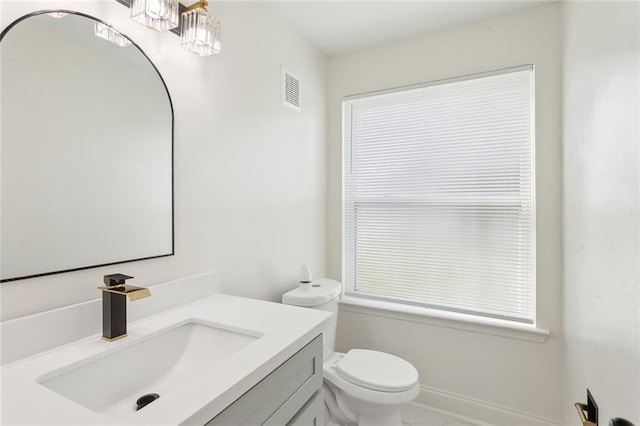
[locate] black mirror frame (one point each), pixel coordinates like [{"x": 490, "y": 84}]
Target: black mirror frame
[{"x": 173, "y": 238}]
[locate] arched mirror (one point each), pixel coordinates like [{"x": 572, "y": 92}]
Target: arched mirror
[{"x": 86, "y": 148}]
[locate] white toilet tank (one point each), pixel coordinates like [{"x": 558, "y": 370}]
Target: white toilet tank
[{"x": 323, "y": 294}]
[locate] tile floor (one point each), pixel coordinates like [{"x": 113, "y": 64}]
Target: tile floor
[{"x": 419, "y": 415}]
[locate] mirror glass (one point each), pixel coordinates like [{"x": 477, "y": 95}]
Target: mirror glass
[{"x": 86, "y": 149}]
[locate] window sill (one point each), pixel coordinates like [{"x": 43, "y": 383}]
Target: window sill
[{"x": 458, "y": 321}]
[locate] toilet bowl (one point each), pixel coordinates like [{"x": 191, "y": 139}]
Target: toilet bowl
[
  {"x": 372, "y": 394},
  {"x": 364, "y": 387}
]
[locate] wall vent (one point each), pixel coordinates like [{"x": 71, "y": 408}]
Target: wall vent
[{"x": 291, "y": 92}]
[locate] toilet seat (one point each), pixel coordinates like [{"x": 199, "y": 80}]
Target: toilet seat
[
  {"x": 377, "y": 371},
  {"x": 370, "y": 395}
]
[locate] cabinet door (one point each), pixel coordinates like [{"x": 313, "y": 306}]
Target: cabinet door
[
  {"x": 312, "y": 414},
  {"x": 280, "y": 395}
]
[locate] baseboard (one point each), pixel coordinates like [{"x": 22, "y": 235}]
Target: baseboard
[{"x": 476, "y": 411}]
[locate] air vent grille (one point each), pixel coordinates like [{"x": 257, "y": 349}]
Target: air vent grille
[{"x": 290, "y": 90}]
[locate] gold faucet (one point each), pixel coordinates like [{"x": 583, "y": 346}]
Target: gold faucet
[{"x": 114, "y": 305}]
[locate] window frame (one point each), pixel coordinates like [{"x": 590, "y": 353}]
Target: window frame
[{"x": 364, "y": 302}]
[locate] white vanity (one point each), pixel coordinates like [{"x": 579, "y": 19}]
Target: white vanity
[{"x": 220, "y": 360}]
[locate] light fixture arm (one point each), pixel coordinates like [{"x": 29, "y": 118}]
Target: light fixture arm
[{"x": 202, "y": 3}]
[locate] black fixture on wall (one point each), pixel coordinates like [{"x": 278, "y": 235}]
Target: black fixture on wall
[
  {"x": 588, "y": 412},
  {"x": 181, "y": 8}
]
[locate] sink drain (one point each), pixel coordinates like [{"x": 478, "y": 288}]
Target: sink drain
[{"x": 145, "y": 400}]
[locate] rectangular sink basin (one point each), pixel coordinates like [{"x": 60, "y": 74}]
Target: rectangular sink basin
[{"x": 162, "y": 362}]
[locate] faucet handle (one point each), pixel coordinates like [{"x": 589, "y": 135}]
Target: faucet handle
[{"x": 115, "y": 279}]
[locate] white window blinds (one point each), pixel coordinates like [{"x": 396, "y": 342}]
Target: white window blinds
[{"x": 439, "y": 195}]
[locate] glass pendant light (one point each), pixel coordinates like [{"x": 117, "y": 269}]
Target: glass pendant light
[
  {"x": 160, "y": 15},
  {"x": 200, "y": 32},
  {"x": 109, "y": 34}
]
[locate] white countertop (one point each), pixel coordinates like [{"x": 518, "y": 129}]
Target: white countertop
[{"x": 286, "y": 329}]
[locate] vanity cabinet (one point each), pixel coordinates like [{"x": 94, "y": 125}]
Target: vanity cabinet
[{"x": 290, "y": 395}]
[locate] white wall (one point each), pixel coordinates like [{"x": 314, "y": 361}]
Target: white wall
[
  {"x": 250, "y": 191},
  {"x": 602, "y": 207},
  {"x": 489, "y": 371}
]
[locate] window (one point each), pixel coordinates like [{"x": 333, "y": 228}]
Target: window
[{"x": 439, "y": 195}]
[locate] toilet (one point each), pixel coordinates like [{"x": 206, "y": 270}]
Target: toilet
[{"x": 361, "y": 386}]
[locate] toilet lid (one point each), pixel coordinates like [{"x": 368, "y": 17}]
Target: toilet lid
[{"x": 377, "y": 371}]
